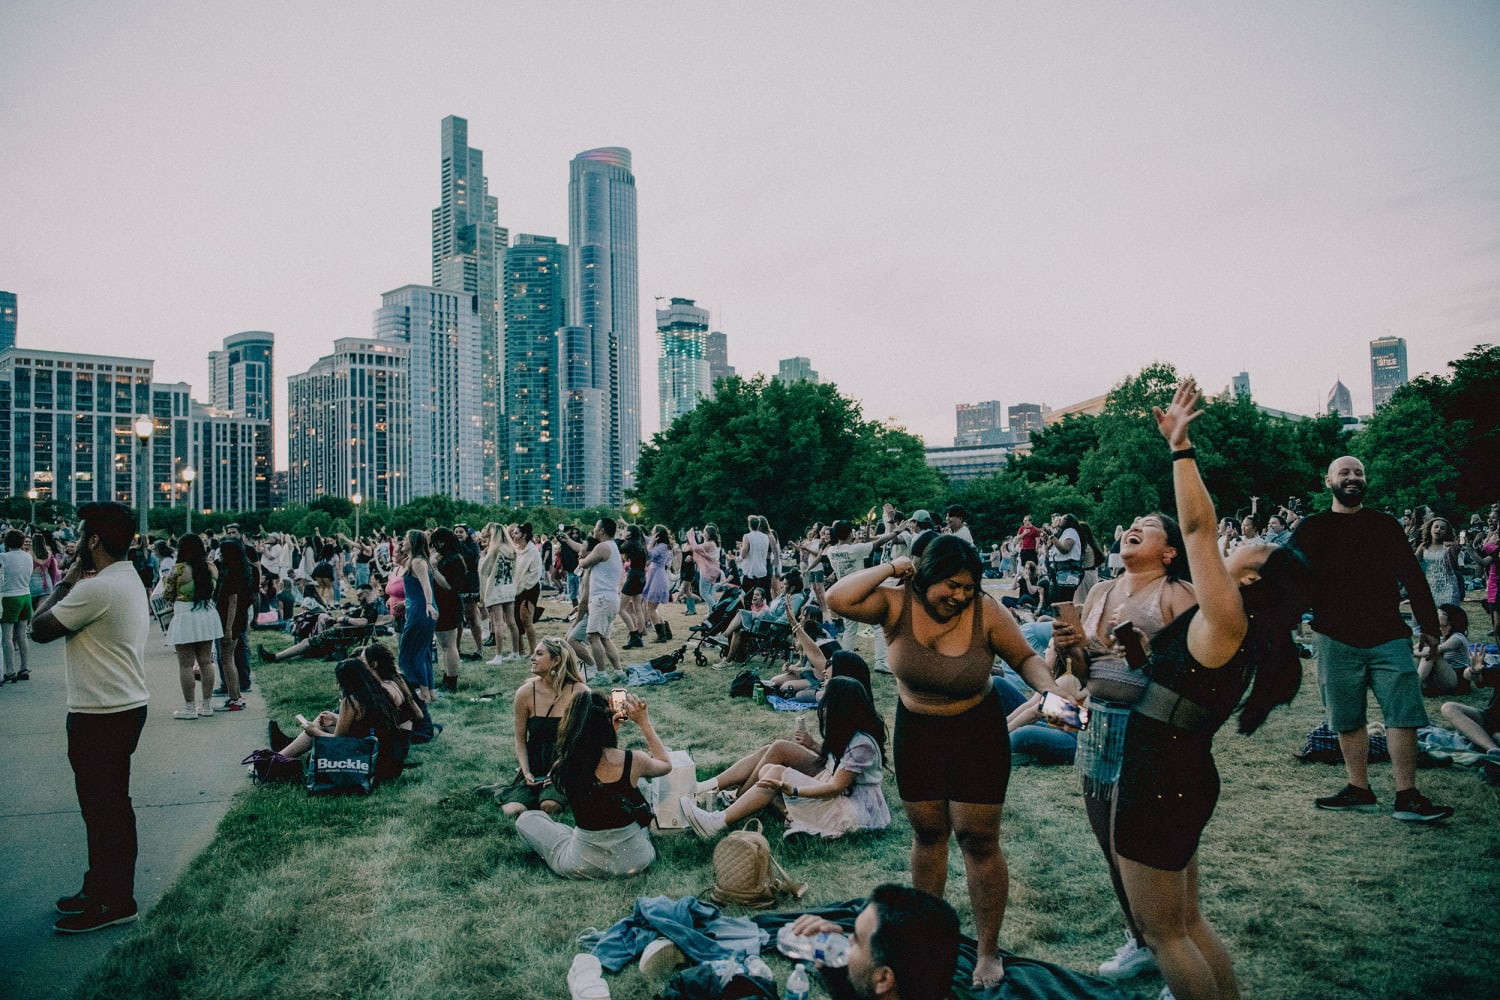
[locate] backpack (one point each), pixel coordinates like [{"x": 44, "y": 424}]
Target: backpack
[
  {"x": 743, "y": 685},
  {"x": 745, "y": 873}
]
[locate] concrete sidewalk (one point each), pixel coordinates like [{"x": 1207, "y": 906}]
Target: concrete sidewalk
[{"x": 183, "y": 776}]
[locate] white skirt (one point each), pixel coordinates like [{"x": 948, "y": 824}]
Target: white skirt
[{"x": 190, "y": 624}]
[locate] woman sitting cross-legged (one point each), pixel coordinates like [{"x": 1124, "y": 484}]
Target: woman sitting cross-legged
[
  {"x": 845, "y": 793},
  {"x": 555, "y": 678},
  {"x": 599, "y": 779}
]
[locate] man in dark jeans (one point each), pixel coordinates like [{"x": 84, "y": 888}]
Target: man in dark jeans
[{"x": 100, "y": 610}]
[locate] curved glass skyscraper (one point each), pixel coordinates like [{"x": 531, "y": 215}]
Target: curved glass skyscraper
[{"x": 604, "y": 300}]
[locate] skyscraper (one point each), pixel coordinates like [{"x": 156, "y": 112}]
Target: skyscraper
[
  {"x": 442, "y": 328},
  {"x": 468, "y": 245},
  {"x": 1340, "y": 403},
  {"x": 1240, "y": 384},
  {"x": 973, "y": 419},
  {"x": 583, "y": 359},
  {"x": 716, "y": 349},
  {"x": 8, "y": 316},
  {"x": 1025, "y": 417},
  {"x": 683, "y": 371},
  {"x": 240, "y": 384},
  {"x": 604, "y": 297},
  {"x": 797, "y": 369},
  {"x": 348, "y": 424},
  {"x": 534, "y": 288},
  {"x": 1387, "y": 368}
]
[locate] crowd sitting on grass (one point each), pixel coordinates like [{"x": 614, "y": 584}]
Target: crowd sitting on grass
[{"x": 1150, "y": 726}]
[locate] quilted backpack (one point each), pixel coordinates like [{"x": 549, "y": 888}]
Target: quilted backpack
[{"x": 746, "y": 875}]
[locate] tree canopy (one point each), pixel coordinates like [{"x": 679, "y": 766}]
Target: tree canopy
[{"x": 792, "y": 452}]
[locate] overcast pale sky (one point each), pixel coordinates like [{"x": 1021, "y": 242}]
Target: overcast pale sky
[{"x": 935, "y": 203}]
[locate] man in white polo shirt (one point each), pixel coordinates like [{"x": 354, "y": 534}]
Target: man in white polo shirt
[{"x": 100, "y": 611}]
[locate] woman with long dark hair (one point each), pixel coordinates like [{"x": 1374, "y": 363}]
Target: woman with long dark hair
[
  {"x": 369, "y": 705},
  {"x": 844, "y": 792},
  {"x": 599, "y": 780},
  {"x": 447, "y": 575},
  {"x": 195, "y": 625},
  {"x": 1198, "y": 671},
  {"x": 632, "y": 607},
  {"x": 528, "y": 581},
  {"x": 1437, "y": 550},
  {"x": 419, "y": 626},
  {"x": 234, "y": 602},
  {"x": 952, "y": 753}
]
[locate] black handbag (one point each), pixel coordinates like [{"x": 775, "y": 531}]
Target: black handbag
[{"x": 340, "y": 764}]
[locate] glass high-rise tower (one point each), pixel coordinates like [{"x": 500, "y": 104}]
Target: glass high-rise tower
[
  {"x": 468, "y": 246},
  {"x": 1387, "y": 368},
  {"x": 604, "y": 299},
  {"x": 684, "y": 374},
  {"x": 534, "y": 288}
]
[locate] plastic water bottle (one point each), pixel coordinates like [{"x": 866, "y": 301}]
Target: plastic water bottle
[
  {"x": 797, "y": 985},
  {"x": 830, "y": 949}
]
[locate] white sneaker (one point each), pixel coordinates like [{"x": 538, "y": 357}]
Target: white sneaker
[
  {"x": 206, "y": 709},
  {"x": 704, "y": 824},
  {"x": 1131, "y": 960},
  {"x": 586, "y": 979},
  {"x": 660, "y": 958},
  {"x": 186, "y": 713}
]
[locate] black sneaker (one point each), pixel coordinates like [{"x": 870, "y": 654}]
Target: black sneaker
[
  {"x": 1350, "y": 798},
  {"x": 70, "y": 905},
  {"x": 1414, "y": 807},
  {"x": 97, "y": 916}
]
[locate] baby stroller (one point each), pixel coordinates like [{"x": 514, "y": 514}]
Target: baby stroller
[{"x": 709, "y": 632}]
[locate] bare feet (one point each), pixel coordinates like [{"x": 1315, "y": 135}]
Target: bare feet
[{"x": 988, "y": 971}]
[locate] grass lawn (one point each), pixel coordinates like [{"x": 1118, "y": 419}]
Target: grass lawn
[{"x": 424, "y": 890}]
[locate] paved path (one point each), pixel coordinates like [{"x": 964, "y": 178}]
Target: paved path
[{"x": 183, "y": 776}]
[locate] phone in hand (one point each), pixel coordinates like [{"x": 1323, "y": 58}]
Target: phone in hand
[
  {"x": 301, "y": 720},
  {"x": 1130, "y": 640},
  {"x": 617, "y": 699},
  {"x": 1071, "y": 715},
  {"x": 1069, "y": 613}
]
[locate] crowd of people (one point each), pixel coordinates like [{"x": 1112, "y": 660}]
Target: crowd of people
[{"x": 1123, "y": 660}]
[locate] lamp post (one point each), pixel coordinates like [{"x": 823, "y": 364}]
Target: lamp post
[
  {"x": 635, "y": 510},
  {"x": 143, "y": 429},
  {"x": 188, "y": 475},
  {"x": 31, "y": 495},
  {"x": 356, "y": 499}
]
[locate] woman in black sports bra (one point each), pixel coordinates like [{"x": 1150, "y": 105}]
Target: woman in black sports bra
[{"x": 952, "y": 752}]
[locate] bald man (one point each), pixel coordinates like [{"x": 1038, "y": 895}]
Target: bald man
[{"x": 1360, "y": 559}]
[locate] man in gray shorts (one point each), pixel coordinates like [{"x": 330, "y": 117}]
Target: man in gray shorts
[
  {"x": 1360, "y": 559},
  {"x": 606, "y": 571}
]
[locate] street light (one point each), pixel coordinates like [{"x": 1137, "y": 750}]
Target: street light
[
  {"x": 356, "y": 499},
  {"x": 635, "y": 509},
  {"x": 31, "y": 495},
  {"x": 143, "y": 429},
  {"x": 188, "y": 475}
]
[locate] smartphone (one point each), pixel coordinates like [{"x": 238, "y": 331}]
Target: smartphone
[
  {"x": 301, "y": 719},
  {"x": 1129, "y": 640},
  {"x": 1068, "y": 612},
  {"x": 617, "y": 699},
  {"x": 1071, "y": 715}
]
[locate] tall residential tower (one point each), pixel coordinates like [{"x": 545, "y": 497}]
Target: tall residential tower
[
  {"x": 604, "y": 299},
  {"x": 683, "y": 373},
  {"x": 534, "y": 288},
  {"x": 1387, "y": 368},
  {"x": 468, "y": 246}
]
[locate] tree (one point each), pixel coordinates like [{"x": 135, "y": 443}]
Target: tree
[
  {"x": 1058, "y": 450},
  {"x": 794, "y": 453},
  {"x": 1411, "y": 452}
]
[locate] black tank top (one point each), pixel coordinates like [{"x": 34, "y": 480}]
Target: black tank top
[{"x": 606, "y": 806}]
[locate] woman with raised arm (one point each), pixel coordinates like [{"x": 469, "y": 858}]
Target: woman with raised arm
[
  {"x": 952, "y": 752},
  {"x": 1198, "y": 670}
]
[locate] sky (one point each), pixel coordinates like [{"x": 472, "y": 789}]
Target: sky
[{"x": 935, "y": 203}]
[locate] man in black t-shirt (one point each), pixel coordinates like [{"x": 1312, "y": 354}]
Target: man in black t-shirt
[{"x": 1360, "y": 559}]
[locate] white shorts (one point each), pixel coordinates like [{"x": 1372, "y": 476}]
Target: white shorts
[{"x": 603, "y": 609}]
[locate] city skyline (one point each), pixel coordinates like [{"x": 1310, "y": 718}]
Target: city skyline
[{"x": 1260, "y": 190}]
